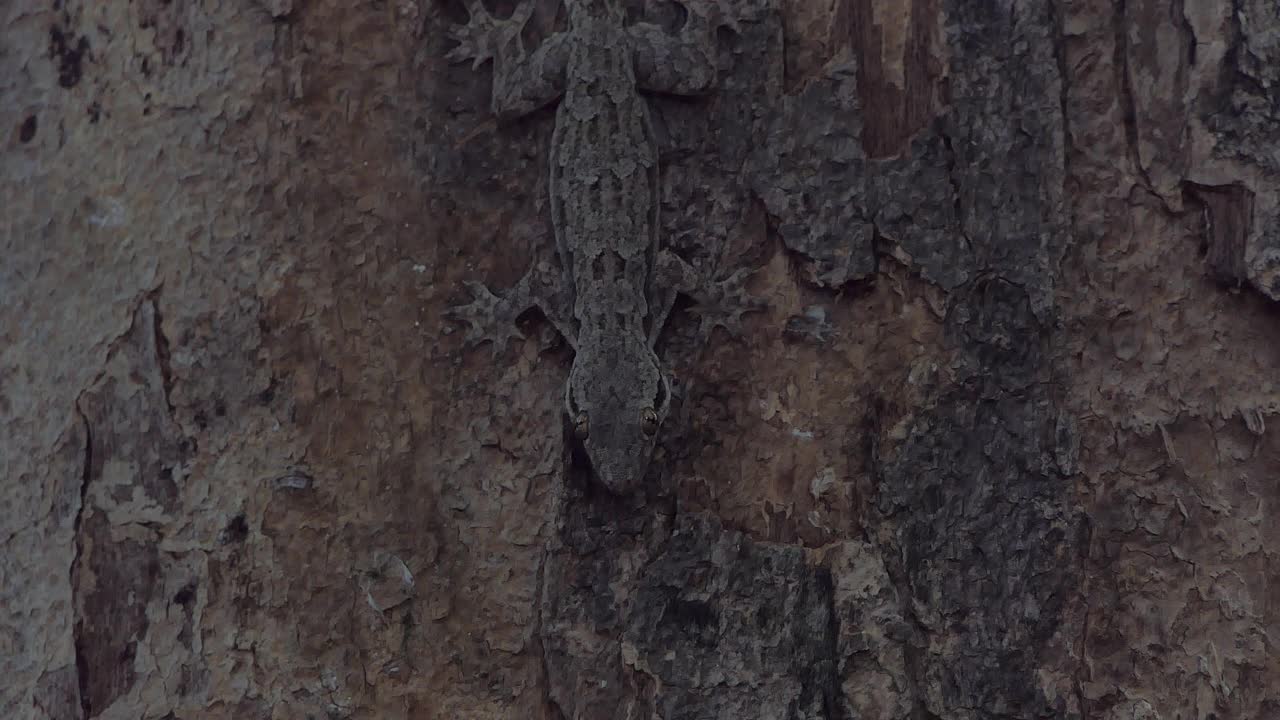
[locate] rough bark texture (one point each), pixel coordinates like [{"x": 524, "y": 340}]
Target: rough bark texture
[{"x": 998, "y": 449}]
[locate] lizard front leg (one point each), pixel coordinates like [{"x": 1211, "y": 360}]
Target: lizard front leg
[
  {"x": 685, "y": 63},
  {"x": 718, "y": 302},
  {"x": 522, "y": 82},
  {"x": 493, "y": 318}
]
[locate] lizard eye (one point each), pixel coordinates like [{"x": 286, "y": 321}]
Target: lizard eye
[
  {"x": 649, "y": 421},
  {"x": 580, "y": 428}
]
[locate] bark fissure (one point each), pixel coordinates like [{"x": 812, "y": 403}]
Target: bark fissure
[
  {"x": 957, "y": 196},
  {"x": 162, "y": 347},
  {"x": 1059, "y": 13},
  {"x": 81, "y": 659},
  {"x": 914, "y": 645},
  {"x": 1128, "y": 103}
]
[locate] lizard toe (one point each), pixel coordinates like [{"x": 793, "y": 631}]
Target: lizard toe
[{"x": 502, "y": 341}]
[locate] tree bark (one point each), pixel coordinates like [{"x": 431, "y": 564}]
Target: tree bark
[{"x": 998, "y": 447}]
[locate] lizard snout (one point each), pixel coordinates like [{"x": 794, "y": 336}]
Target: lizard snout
[{"x": 619, "y": 458}]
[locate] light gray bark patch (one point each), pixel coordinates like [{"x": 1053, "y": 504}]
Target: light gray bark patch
[
  {"x": 1153, "y": 46},
  {"x": 136, "y": 440},
  {"x": 812, "y": 326},
  {"x": 57, "y": 695}
]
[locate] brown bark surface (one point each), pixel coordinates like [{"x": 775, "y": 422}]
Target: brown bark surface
[{"x": 998, "y": 448}]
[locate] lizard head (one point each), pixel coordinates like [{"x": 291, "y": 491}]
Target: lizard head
[{"x": 616, "y": 402}]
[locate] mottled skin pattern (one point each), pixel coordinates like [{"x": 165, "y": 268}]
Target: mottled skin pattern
[{"x": 616, "y": 286}]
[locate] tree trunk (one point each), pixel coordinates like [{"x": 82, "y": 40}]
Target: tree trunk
[{"x": 997, "y": 447}]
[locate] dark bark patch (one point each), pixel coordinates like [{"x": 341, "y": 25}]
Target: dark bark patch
[
  {"x": 69, "y": 53},
  {"x": 27, "y": 131},
  {"x": 112, "y": 595},
  {"x": 185, "y": 595},
  {"x": 236, "y": 530},
  {"x": 1228, "y": 210},
  {"x": 897, "y": 93}
]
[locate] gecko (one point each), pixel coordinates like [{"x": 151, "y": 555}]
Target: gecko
[{"x": 615, "y": 285}]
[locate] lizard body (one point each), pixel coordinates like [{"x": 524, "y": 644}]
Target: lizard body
[{"x": 616, "y": 285}]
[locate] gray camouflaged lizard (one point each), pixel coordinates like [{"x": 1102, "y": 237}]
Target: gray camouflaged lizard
[{"x": 615, "y": 286}]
